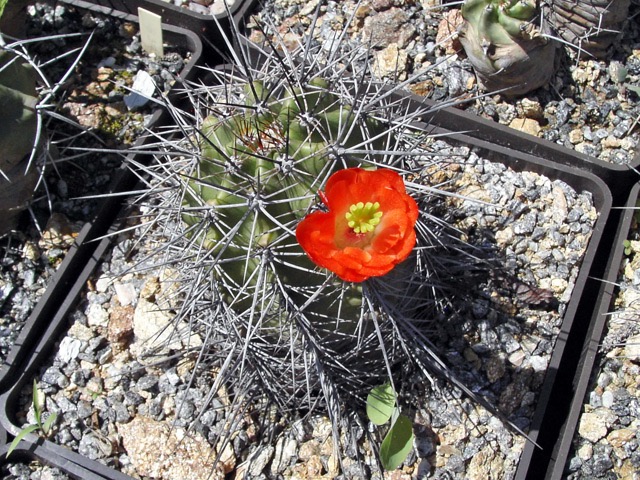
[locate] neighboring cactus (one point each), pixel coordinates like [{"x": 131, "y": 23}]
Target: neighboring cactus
[
  {"x": 508, "y": 44},
  {"x": 18, "y": 131},
  {"x": 512, "y": 43},
  {"x": 590, "y": 25}
]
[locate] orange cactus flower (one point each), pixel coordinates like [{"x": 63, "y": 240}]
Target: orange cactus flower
[{"x": 369, "y": 228}]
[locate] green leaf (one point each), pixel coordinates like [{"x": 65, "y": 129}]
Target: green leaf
[
  {"x": 3, "y": 3},
  {"x": 380, "y": 404},
  {"x": 397, "y": 444},
  {"x": 23, "y": 433},
  {"x": 48, "y": 423},
  {"x": 633, "y": 88}
]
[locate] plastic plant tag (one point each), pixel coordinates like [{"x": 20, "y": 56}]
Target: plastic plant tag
[
  {"x": 151, "y": 32},
  {"x": 142, "y": 90}
]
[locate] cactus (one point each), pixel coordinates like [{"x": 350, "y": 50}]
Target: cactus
[
  {"x": 19, "y": 97},
  {"x": 591, "y": 25},
  {"x": 277, "y": 150},
  {"x": 508, "y": 44},
  {"x": 512, "y": 43},
  {"x": 229, "y": 195},
  {"x": 18, "y": 133}
]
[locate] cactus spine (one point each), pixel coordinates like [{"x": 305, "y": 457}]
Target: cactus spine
[
  {"x": 249, "y": 172},
  {"x": 590, "y": 25}
]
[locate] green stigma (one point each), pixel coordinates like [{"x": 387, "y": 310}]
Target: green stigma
[{"x": 363, "y": 217}]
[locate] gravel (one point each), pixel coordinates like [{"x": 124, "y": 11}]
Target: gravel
[
  {"x": 100, "y": 388},
  {"x": 588, "y": 106},
  {"x": 500, "y": 348},
  {"x": 206, "y": 7},
  {"x": 606, "y": 443}
]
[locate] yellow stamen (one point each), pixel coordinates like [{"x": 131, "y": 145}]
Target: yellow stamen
[{"x": 363, "y": 217}]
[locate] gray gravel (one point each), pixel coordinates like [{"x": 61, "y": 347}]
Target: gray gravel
[
  {"x": 499, "y": 347},
  {"x": 606, "y": 443},
  {"x": 587, "y": 106}
]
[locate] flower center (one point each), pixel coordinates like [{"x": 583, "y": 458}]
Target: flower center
[{"x": 363, "y": 217}]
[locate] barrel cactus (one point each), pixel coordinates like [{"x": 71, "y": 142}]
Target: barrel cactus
[
  {"x": 508, "y": 44},
  {"x": 276, "y": 149},
  {"x": 308, "y": 258}
]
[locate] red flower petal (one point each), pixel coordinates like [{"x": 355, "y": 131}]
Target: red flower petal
[{"x": 331, "y": 243}]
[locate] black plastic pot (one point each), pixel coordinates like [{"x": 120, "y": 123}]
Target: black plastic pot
[
  {"x": 516, "y": 151},
  {"x": 619, "y": 178},
  {"x": 85, "y": 245},
  {"x": 26, "y": 452},
  {"x": 46, "y": 322},
  {"x": 569, "y": 371},
  {"x": 605, "y": 305},
  {"x": 210, "y": 28},
  {"x": 557, "y": 391}
]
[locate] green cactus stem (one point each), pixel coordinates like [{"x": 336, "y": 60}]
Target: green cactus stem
[
  {"x": 507, "y": 46},
  {"x": 18, "y": 98},
  {"x": 260, "y": 170}
]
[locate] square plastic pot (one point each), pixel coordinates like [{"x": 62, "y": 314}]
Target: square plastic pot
[
  {"x": 70, "y": 277},
  {"x": 515, "y": 151},
  {"x": 568, "y": 375},
  {"x": 27, "y": 452},
  {"x": 619, "y": 178},
  {"x": 210, "y": 28},
  {"x": 47, "y": 319},
  {"x": 605, "y": 304}
]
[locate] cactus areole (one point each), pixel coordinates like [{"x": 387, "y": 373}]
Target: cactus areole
[{"x": 369, "y": 228}]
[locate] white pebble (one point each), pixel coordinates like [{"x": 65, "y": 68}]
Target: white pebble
[
  {"x": 97, "y": 316},
  {"x": 126, "y": 293},
  {"x": 69, "y": 349}
]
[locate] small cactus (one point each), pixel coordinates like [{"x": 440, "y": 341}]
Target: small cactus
[{"x": 508, "y": 44}]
